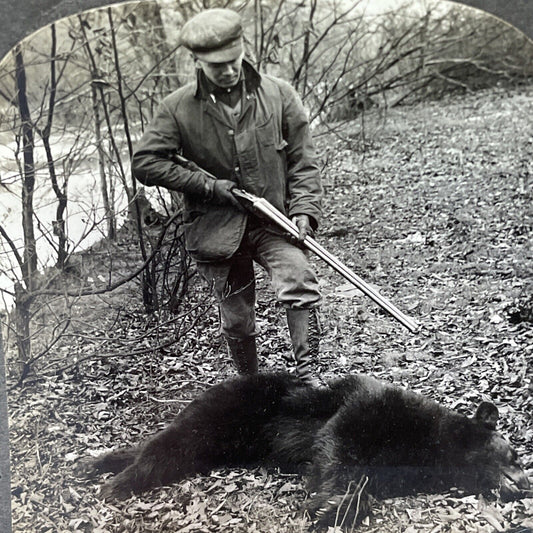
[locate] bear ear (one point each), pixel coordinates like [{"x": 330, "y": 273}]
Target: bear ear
[{"x": 487, "y": 413}]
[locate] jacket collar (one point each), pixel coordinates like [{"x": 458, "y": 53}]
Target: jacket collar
[{"x": 252, "y": 80}]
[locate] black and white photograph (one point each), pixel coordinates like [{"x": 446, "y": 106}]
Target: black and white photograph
[{"x": 266, "y": 266}]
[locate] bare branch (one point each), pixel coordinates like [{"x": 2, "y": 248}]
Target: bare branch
[{"x": 12, "y": 245}]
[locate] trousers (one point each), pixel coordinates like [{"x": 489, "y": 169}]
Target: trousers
[{"x": 233, "y": 281}]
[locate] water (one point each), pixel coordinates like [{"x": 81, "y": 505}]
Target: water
[{"x": 85, "y": 215}]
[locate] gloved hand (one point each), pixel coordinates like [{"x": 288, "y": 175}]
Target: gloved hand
[
  {"x": 222, "y": 194},
  {"x": 304, "y": 225}
]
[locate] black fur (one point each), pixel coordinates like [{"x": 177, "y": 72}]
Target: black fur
[{"x": 356, "y": 432}]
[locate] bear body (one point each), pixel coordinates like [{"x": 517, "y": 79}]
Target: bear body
[{"x": 356, "y": 433}]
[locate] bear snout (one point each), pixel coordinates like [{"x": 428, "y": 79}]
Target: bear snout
[{"x": 514, "y": 484}]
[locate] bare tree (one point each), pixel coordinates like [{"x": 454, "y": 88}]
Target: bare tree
[
  {"x": 59, "y": 228},
  {"x": 28, "y": 261},
  {"x": 344, "y": 62},
  {"x": 98, "y": 83},
  {"x": 105, "y": 91}
]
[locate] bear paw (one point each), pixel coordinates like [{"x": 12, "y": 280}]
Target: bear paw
[
  {"x": 118, "y": 488},
  {"x": 85, "y": 468}
]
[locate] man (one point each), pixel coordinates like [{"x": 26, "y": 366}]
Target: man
[{"x": 251, "y": 132}]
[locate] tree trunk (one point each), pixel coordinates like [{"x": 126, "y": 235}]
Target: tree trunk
[
  {"x": 23, "y": 302},
  {"x": 108, "y": 208},
  {"x": 29, "y": 260},
  {"x": 59, "y": 225},
  {"x": 29, "y": 267}
]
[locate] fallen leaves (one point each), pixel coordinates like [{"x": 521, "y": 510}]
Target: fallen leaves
[{"x": 437, "y": 216}]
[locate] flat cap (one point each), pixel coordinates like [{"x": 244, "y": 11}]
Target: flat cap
[{"x": 214, "y": 35}]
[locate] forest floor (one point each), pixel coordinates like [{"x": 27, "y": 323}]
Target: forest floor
[{"x": 432, "y": 203}]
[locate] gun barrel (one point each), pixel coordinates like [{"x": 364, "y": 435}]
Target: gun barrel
[{"x": 263, "y": 206}]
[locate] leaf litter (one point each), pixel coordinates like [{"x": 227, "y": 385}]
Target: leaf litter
[{"x": 436, "y": 213}]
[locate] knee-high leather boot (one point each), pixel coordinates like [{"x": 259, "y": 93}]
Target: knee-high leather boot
[
  {"x": 244, "y": 354},
  {"x": 305, "y": 336}
]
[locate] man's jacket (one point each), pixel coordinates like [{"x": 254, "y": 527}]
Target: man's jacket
[{"x": 267, "y": 151}]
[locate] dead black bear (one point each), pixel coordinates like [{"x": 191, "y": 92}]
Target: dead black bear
[{"x": 358, "y": 431}]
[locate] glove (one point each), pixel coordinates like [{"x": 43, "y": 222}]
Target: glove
[
  {"x": 222, "y": 194},
  {"x": 304, "y": 225}
]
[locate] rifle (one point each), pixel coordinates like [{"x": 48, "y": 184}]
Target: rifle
[{"x": 262, "y": 206}]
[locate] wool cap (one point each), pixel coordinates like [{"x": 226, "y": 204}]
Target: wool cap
[{"x": 214, "y": 35}]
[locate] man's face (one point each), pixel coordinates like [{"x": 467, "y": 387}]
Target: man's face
[{"x": 225, "y": 74}]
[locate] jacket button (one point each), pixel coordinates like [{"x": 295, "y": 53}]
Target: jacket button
[
  {"x": 231, "y": 132},
  {"x": 237, "y": 169}
]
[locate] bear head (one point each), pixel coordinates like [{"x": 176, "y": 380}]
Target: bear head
[{"x": 484, "y": 459}]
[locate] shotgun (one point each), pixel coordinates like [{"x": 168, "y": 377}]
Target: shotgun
[
  {"x": 261, "y": 206},
  {"x": 265, "y": 208}
]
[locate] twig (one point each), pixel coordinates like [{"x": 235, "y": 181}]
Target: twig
[
  {"x": 11, "y": 245},
  {"x": 52, "y": 343},
  {"x": 165, "y": 344},
  {"x": 357, "y": 491},
  {"x": 113, "y": 286},
  {"x": 359, "y": 499},
  {"x": 153, "y": 398}
]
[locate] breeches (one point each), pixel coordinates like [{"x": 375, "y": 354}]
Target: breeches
[{"x": 233, "y": 281}]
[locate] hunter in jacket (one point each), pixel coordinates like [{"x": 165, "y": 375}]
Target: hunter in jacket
[{"x": 251, "y": 131}]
